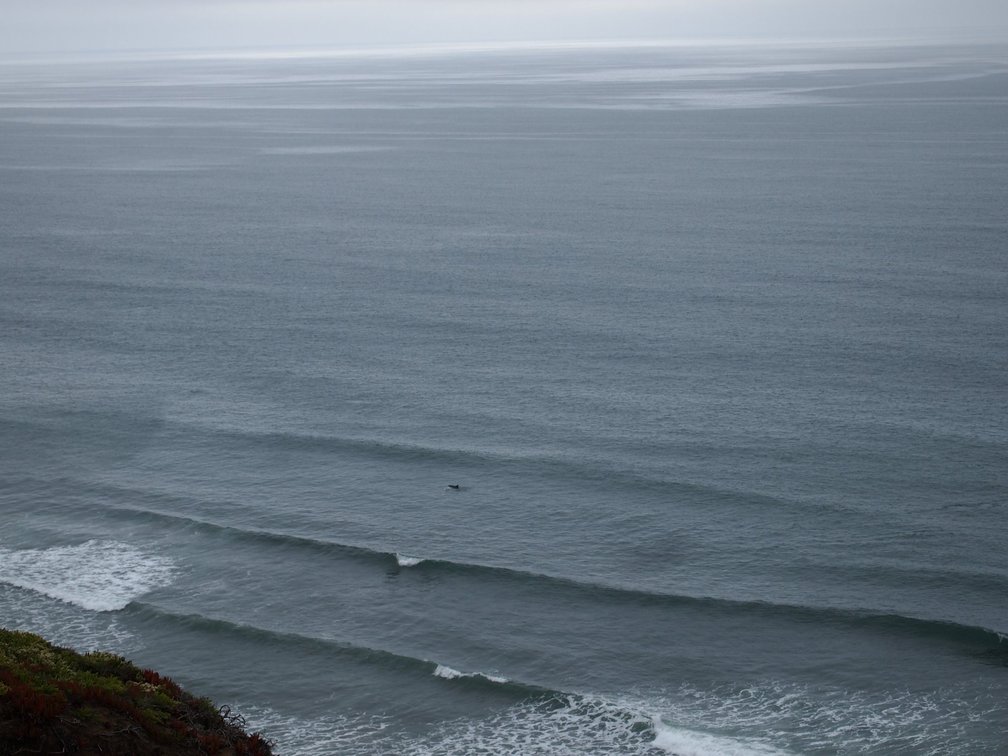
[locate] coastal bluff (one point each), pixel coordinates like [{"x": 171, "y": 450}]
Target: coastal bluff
[{"x": 55, "y": 700}]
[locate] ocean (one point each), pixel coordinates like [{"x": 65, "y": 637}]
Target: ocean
[{"x": 640, "y": 399}]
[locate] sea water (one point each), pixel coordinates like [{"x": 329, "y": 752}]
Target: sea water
[{"x": 628, "y": 399}]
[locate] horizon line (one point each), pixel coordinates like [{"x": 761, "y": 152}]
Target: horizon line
[{"x": 435, "y": 49}]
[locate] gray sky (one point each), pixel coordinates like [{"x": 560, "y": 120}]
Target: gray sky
[{"x": 37, "y": 26}]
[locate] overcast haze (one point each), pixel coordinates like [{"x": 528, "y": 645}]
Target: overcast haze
[{"x": 39, "y": 26}]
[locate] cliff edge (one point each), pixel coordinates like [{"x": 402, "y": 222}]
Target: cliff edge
[{"x": 55, "y": 700}]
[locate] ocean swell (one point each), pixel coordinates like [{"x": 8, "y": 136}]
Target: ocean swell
[{"x": 879, "y": 622}]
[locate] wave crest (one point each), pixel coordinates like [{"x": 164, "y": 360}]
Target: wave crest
[{"x": 453, "y": 674}]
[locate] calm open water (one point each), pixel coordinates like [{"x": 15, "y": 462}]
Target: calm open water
[{"x": 712, "y": 341}]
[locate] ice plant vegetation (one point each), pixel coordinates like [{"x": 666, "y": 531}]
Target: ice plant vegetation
[{"x": 55, "y": 700}]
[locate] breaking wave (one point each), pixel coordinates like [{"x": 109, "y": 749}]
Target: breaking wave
[
  {"x": 453, "y": 674},
  {"x": 563, "y": 725},
  {"x": 101, "y": 576}
]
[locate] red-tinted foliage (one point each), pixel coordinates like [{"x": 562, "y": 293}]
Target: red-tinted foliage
[
  {"x": 24, "y": 701},
  {"x": 169, "y": 685},
  {"x": 99, "y": 703}
]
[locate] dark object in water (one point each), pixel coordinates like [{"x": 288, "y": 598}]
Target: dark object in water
[{"x": 454, "y": 486}]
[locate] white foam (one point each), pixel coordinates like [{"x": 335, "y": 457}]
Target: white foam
[
  {"x": 63, "y": 624},
  {"x": 574, "y": 729},
  {"x": 685, "y": 742},
  {"x": 345, "y": 734},
  {"x": 739, "y": 722},
  {"x": 580, "y": 725},
  {"x": 446, "y": 672},
  {"x": 831, "y": 719},
  {"x": 692, "y": 722},
  {"x": 453, "y": 674},
  {"x": 101, "y": 576},
  {"x": 407, "y": 561},
  {"x": 565, "y": 727}
]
